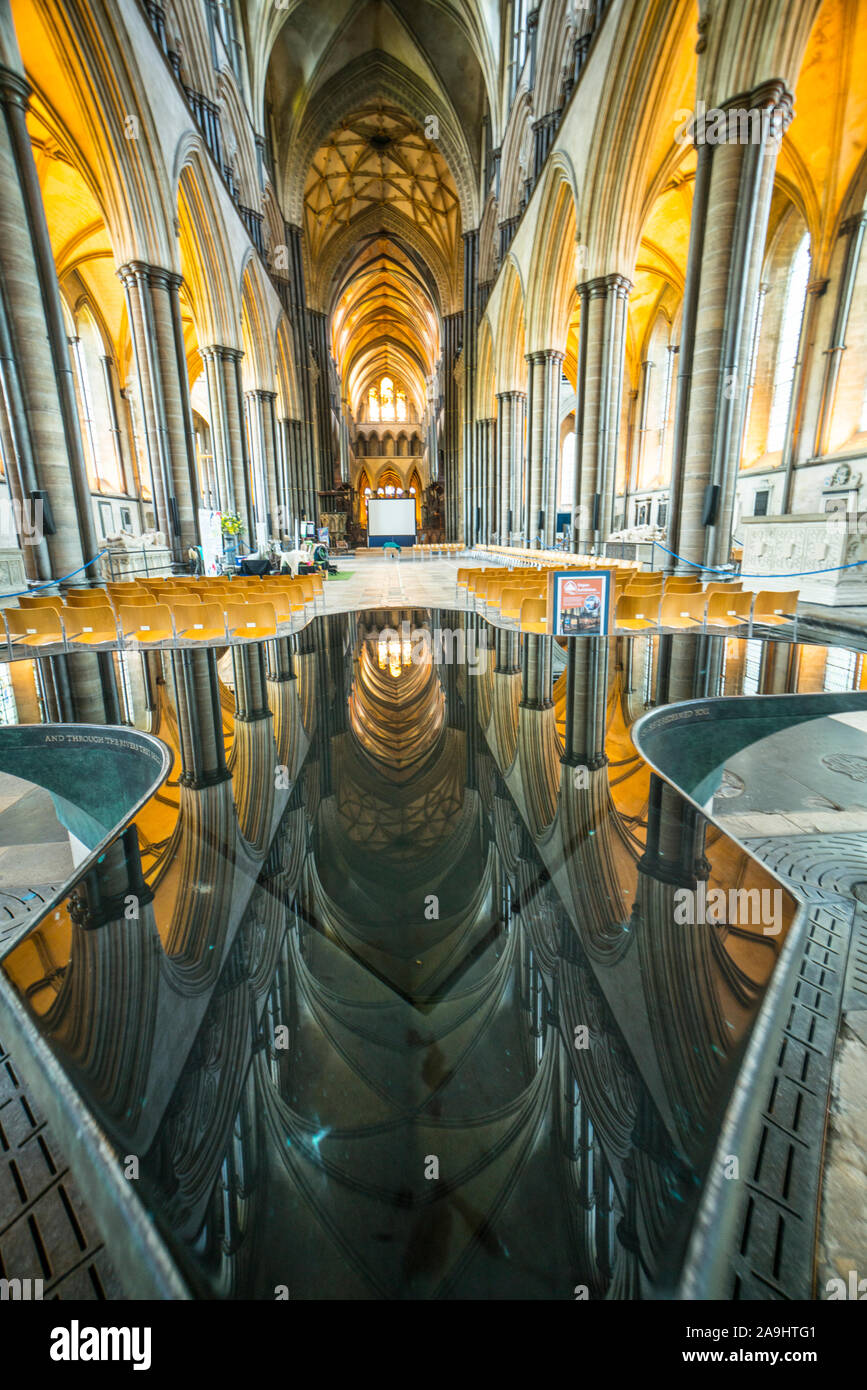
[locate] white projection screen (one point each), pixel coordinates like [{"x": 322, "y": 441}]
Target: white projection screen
[{"x": 391, "y": 519}]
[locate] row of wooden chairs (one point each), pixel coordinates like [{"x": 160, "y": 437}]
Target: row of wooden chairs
[
  {"x": 89, "y": 626},
  {"x": 427, "y": 552},
  {"x": 720, "y": 605},
  {"x": 160, "y": 611}
]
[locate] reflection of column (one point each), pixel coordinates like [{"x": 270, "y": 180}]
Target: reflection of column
[
  {"x": 536, "y": 671},
  {"x": 736, "y": 206},
  {"x": 200, "y": 718},
  {"x": 41, "y": 429},
  {"x": 586, "y": 702},
  {"x": 853, "y": 230},
  {"x": 154, "y": 314}
]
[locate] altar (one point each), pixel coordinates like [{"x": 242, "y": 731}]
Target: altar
[{"x": 779, "y": 552}]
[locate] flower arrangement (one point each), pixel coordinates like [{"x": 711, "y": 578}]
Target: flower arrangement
[{"x": 231, "y": 524}]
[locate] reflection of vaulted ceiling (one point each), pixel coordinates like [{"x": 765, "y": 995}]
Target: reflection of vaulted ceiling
[{"x": 397, "y": 706}]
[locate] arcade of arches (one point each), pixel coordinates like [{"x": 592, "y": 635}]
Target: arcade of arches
[{"x": 584, "y": 275}]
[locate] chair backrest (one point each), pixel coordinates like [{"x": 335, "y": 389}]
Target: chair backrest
[
  {"x": 718, "y": 587},
  {"x": 242, "y": 616},
  {"x": 682, "y": 581},
  {"x": 534, "y": 613},
  {"x": 145, "y": 600},
  {"x": 770, "y": 602},
  {"x": 95, "y": 598},
  {"x": 682, "y": 609},
  {"x": 726, "y": 603},
  {"x": 155, "y": 618},
  {"x": 40, "y": 601},
  {"x": 193, "y": 617},
  {"x": 30, "y": 622},
  {"x": 97, "y": 623},
  {"x": 631, "y": 607}
]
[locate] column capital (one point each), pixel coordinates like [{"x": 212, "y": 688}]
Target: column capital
[
  {"x": 596, "y": 288},
  {"x": 15, "y": 90},
  {"x": 852, "y": 224},
  {"x": 132, "y": 271},
  {"x": 619, "y": 285},
  {"x": 818, "y": 287},
  {"x": 511, "y": 395}
]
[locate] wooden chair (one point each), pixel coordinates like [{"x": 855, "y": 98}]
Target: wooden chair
[
  {"x": 87, "y": 625},
  {"x": 729, "y": 608},
  {"x": 84, "y": 598},
  {"x": 198, "y": 622},
  {"x": 34, "y": 627},
  {"x": 251, "y": 620},
  {"x": 534, "y": 615},
  {"x": 637, "y": 613},
  {"x": 148, "y": 623},
  {"x": 683, "y": 610},
  {"x": 41, "y": 601},
  {"x": 771, "y": 608}
]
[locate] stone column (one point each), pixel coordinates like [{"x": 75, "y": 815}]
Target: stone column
[
  {"x": 617, "y": 293},
  {"x": 853, "y": 231},
  {"x": 154, "y": 316},
  {"x": 260, "y": 415},
  {"x": 543, "y": 442},
  {"x": 42, "y": 431},
  {"x": 452, "y": 331},
  {"x": 590, "y": 411},
  {"x": 470, "y": 324},
  {"x": 510, "y": 439},
  {"x": 715, "y": 360}
]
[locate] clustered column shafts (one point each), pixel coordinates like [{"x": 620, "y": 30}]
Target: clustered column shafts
[
  {"x": 157, "y": 336},
  {"x": 599, "y": 397},
  {"x": 853, "y": 231},
  {"x": 305, "y": 444},
  {"x": 470, "y": 326},
  {"x": 734, "y": 184},
  {"x": 543, "y": 445},
  {"x": 40, "y": 416},
  {"x": 452, "y": 332},
  {"x": 510, "y": 440}
]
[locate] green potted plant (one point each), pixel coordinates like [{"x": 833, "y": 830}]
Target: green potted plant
[{"x": 231, "y": 527}]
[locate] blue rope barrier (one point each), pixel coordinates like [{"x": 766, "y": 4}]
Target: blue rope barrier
[
  {"x": 51, "y": 583},
  {"x": 798, "y": 574}
]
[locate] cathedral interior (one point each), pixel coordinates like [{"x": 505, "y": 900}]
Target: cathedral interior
[{"x": 378, "y": 919}]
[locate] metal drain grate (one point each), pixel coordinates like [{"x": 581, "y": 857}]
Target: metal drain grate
[{"x": 46, "y": 1231}]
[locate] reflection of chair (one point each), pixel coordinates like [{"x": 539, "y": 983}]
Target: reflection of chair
[
  {"x": 729, "y": 609},
  {"x": 33, "y": 627},
  {"x": 771, "y": 608},
  {"x": 87, "y": 625},
  {"x": 146, "y": 623},
  {"x": 251, "y": 620},
  {"x": 682, "y": 610},
  {"x": 637, "y": 614},
  {"x": 198, "y": 622},
  {"x": 534, "y": 615}
]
